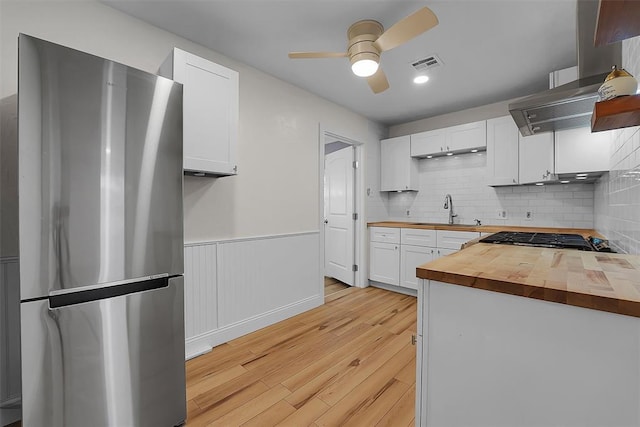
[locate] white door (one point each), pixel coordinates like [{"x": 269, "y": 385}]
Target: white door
[{"x": 339, "y": 222}]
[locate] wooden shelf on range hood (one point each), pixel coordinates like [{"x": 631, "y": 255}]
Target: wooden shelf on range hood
[
  {"x": 617, "y": 20},
  {"x": 622, "y": 112}
]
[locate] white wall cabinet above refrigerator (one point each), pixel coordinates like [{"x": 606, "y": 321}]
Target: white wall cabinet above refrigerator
[
  {"x": 210, "y": 112},
  {"x": 451, "y": 139},
  {"x": 398, "y": 170}
]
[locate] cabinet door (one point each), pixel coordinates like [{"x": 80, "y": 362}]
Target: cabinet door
[
  {"x": 502, "y": 151},
  {"x": 536, "y": 158},
  {"x": 384, "y": 262},
  {"x": 467, "y": 136},
  {"x": 440, "y": 252},
  {"x": 410, "y": 258},
  {"x": 210, "y": 111},
  {"x": 579, "y": 150},
  {"x": 430, "y": 142},
  {"x": 398, "y": 170}
]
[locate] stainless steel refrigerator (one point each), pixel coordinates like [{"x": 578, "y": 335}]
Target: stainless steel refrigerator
[{"x": 101, "y": 241}]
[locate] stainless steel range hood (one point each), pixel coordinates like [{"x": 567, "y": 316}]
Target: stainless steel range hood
[{"x": 570, "y": 105}]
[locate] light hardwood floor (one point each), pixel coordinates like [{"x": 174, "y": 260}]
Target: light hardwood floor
[
  {"x": 332, "y": 285},
  {"x": 348, "y": 362}
]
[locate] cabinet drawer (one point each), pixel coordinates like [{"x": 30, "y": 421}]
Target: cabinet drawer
[
  {"x": 418, "y": 237},
  {"x": 454, "y": 239},
  {"x": 384, "y": 235}
]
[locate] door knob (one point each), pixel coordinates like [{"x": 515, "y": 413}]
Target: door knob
[{"x": 326, "y": 221}]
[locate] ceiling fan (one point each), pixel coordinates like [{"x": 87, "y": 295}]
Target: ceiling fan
[{"x": 367, "y": 40}]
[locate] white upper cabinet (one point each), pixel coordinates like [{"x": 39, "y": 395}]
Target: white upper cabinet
[
  {"x": 398, "y": 170},
  {"x": 210, "y": 112},
  {"x": 467, "y": 136},
  {"x": 515, "y": 159},
  {"x": 455, "y": 138},
  {"x": 429, "y": 142},
  {"x": 536, "y": 158},
  {"x": 502, "y": 151},
  {"x": 579, "y": 150}
]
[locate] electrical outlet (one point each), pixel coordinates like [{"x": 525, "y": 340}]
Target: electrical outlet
[
  {"x": 501, "y": 214},
  {"x": 408, "y": 212},
  {"x": 528, "y": 216}
]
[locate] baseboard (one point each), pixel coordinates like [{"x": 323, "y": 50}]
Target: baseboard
[
  {"x": 198, "y": 345},
  {"x": 392, "y": 288}
]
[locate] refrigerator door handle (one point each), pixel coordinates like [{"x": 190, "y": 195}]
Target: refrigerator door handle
[{"x": 62, "y": 300}]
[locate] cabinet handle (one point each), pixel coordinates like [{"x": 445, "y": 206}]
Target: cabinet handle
[{"x": 396, "y": 247}]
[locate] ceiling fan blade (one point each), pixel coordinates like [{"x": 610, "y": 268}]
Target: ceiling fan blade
[
  {"x": 406, "y": 29},
  {"x": 308, "y": 55},
  {"x": 378, "y": 82}
]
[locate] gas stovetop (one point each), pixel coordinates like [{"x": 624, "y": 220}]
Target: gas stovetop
[{"x": 546, "y": 240}]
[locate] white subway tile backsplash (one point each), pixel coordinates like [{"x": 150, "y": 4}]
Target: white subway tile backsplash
[
  {"x": 464, "y": 177},
  {"x": 617, "y": 194}
]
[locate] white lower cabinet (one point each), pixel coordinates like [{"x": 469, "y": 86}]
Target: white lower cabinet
[
  {"x": 454, "y": 239},
  {"x": 394, "y": 253},
  {"x": 411, "y": 257},
  {"x": 384, "y": 262}
]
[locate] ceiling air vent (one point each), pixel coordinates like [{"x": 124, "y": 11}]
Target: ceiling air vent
[{"x": 427, "y": 63}]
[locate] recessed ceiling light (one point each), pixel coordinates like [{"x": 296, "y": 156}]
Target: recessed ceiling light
[
  {"x": 421, "y": 79},
  {"x": 564, "y": 182},
  {"x": 582, "y": 174},
  {"x": 581, "y": 177},
  {"x": 539, "y": 183},
  {"x": 475, "y": 150},
  {"x": 429, "y": 157},
  {"x": 449, "y": 154}
]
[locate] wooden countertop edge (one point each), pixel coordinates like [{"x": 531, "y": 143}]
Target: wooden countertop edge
[
  {"x": 585, "y": 232},
  {"x": 595, "y": 302}
]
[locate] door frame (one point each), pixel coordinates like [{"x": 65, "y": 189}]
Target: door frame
[{"x": 360, "y": 276}]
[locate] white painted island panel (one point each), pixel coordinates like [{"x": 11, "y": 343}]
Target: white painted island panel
[{"x": 493, "y": 359}]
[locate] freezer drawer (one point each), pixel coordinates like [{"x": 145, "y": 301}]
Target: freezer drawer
[{"x": 110, "y": 362}]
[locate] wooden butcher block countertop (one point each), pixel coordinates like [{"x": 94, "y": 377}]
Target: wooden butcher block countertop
[
  {"x": 485, "y": 228},
  {"x": 596, "y": 280}
]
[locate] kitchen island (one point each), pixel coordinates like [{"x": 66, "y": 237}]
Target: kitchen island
[{"x": 528, "y": 336}]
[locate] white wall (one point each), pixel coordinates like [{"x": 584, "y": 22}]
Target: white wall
[
  {"x": 617, "y": 194},
  {"x": 276, "y": 190},
  {"x": 483, "y": 112},
  {"x": 464, "y": 177}
]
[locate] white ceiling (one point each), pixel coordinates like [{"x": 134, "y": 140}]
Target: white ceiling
[{"x": 492, "y": 50}]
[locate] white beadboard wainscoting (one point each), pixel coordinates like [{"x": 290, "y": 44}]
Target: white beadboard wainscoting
[
  {"x": 10, "y": 386},
  {"x": 234, "y": 287}
]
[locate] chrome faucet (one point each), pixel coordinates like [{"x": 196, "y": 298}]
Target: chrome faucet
[{"x": 448, "y": 204}]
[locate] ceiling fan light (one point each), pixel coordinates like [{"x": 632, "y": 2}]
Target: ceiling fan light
[{"x": 364, "y": 67}]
